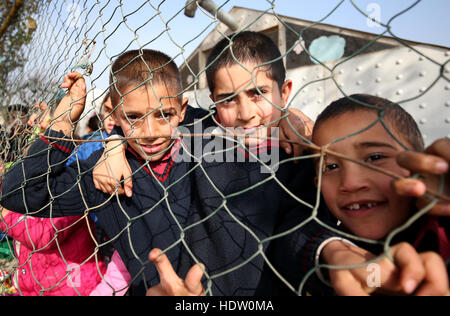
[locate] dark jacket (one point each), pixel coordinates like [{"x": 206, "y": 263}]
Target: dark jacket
[{"x": 221, "y": 214}]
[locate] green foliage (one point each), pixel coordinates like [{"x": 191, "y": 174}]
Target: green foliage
[{"x": 18, "y": 35}]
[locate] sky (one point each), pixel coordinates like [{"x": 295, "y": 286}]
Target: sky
[{"x": 119, "y": 25}]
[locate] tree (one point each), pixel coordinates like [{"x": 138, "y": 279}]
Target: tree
[{"x": 17, "y": 26}]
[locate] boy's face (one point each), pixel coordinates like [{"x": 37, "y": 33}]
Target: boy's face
[
  {"x": 141, "y": 115},
  {"x": 361, "y": 198},
  {"x": 250, "y": 110},
  {"x": 108, "y": 120},
  {"x": 19, "y": 118}
]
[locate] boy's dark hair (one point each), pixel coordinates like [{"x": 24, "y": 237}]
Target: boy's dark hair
[
  {"x": 106, "y": 97},
  {"x": 94, "y": 123},
  {"x": 247, "y": 47},
  {"x": 137, "y": 68},
  {"x": 394, "y": 115},
  {"x": 18, "y": 108},
  {"x": 103, "y": 108}
]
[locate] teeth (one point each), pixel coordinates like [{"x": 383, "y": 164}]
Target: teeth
[{"x": 356, "y": 206}]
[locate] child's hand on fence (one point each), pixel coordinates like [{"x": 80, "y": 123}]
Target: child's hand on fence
[
  {"x": 171, "y": 284},
  {"x": 43, "y": 119},
  {"x": 419, "y": 274},
  {"x": 5, "y": 212},
  {"x": 303, "y": 126},
  {"x": 72, "y": 105},
  {"x": 432, "y": 165},
  {"x": 112, "y": 168}
]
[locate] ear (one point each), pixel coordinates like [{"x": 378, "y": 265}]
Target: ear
[
  {"x": 286, "y": 91},
  {"x": 184, "y": 106}
]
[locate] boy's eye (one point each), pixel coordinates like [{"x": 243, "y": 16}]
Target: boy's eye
[
  {"x": 330, "y": 167},
  {"x": 226, "y": 102},
  {"x": 133, "y": 118},
  {"x": 255, "y": 94},
  {"x": 164, "y": 115},
  {"x": 263, "y": 92},
  {"x": 375, "y": 157}
]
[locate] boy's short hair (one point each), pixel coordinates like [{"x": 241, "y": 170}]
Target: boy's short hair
[
  {"x": 246, "y": 47},
  {"x": 94, "y": 123},
  {"x": 18, "y": 108},
  {"x": 106, "y": 97},
  {"x": 103, "y": 108},
  {"x": 394, "y": 115},
  {"x": 137, "y": 68}
]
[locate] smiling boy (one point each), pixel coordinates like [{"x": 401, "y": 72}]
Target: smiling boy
[
  {"x": 147, "y": 101},
  {"x": 236, "y": 204},
  {"x": 362, "y": 198},
  {"x": 248, "y": 84},
  {"x": 364, "y": 204}
]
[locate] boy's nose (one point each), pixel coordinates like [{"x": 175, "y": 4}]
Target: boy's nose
[
  {"x": 353, "y": 178},
  {"x": 245, "y": 111},
  {"x": 147, "y": 128}
]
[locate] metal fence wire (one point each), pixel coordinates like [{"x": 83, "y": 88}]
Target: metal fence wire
[{"x": 87, "y": 37}]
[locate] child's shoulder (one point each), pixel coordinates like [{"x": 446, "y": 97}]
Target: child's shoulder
[{"x": 196, "y": 114}]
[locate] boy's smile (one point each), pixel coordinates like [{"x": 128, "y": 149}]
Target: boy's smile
[
  {"x": 362, "y": 198},
  {"x": 146, "y": 113},
  {"x": 250, "y": 104}
]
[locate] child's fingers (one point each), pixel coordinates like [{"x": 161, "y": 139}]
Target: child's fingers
[
  {"x": 440, "y": 148},
  {"x": 290, "y": 148},
  {"x": 422, "y": 163},
  {"x": 105, "y": 184},
  {"x": 103, "y": 188},
  {"x": 412, "y": 271},
  {"x": 286, "y": 147},
  {"x": 96, "y": 184},
  {"x": 409, "y": 187},
  {"x": 440, "y": 209},
  {"x": 194, "y": 278},
  {"x": 345, "y": 284},
  {"x": 44, "y": 106},
  {"x": 167, "y": 274},
  {"x": 417, "y": 189},
  {"x": 436, "y": 278},
  {"x": 70, "y": 79},
  {"x": 157, "y": 290},
  {"x": 41, "y": 106},
  {"x": 128, "y": 183},
  {"x": 32, "y": 119},
  {"x": 298, "y": 150},
  {"x": 113, "y": 186},
  {"x": 76, "y": 85}
]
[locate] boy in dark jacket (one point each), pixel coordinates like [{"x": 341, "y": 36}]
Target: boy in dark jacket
[
  {"x": 366, "y": 206},
  {"x": 163, "y": 212},
  {"x": 242, "y": 187},
  {"x": 41, "y": 185}
]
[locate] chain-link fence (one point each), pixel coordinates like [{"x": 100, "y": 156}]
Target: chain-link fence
[{"x": 208, "y": 206}]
